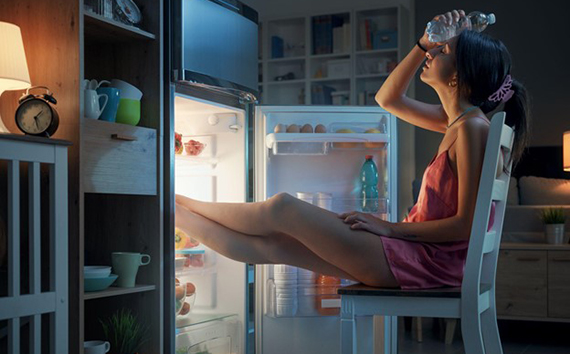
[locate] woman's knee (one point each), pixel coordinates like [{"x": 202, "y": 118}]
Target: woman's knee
[{"x": 278, "y": 205}]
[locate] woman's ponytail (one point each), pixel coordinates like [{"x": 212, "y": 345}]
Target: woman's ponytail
[{"x": 518, "y": 117}]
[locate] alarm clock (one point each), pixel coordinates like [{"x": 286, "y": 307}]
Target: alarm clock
[{"x": 36, "y": 114}]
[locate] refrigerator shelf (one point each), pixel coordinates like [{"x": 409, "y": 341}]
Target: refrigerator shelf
[
  {"x": 189, "y": 271},
  {"x": 196, "y": 160},
  {"x": 195, "y": 319},
  {"x": 273, "y": 138}
]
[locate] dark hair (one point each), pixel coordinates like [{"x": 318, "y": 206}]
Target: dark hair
[{"x": 482, "y": 65}]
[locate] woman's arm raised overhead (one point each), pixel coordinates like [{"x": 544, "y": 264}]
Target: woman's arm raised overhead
[{"x": 392, "y": 95}]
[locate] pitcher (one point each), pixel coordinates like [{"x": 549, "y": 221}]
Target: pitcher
[{"x": 93, "y": 108}]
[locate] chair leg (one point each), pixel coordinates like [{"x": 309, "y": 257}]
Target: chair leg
[
  {"x": 491, "y": 336},
  {"x": 450, "y": 324},
  {"x": 347, "y": 327},
  {"x": 472, "y": 335},
  {"x": 417, "y": 327}
]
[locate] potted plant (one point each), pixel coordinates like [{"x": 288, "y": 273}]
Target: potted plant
[
  {"x": 553, "y": 220},
  {"x": 123, "y": 331}
]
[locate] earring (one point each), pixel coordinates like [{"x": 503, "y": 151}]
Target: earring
[{"x": 452, "y": 83}]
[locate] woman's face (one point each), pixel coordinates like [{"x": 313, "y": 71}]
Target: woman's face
[{"x": 439, "y": 68}]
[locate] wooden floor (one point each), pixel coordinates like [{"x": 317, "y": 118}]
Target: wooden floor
[{"x": 517, "y": 337}]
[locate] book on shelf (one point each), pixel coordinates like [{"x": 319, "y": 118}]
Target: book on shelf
[
  {"x": 329, "y": 34},
  {"x": 277, "y": 47},
  {"x": 372, "y": 38},
  {"x": 322, "y": 94}
]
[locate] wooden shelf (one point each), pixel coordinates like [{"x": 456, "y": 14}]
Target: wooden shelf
[
  {"x": 286, "y": 82},
  {"x": 376, "y": 51},
  {"x": 104, "y": 29},
  {"x": 286, "y": 59},
  {"x": 326, "y": 79},
  {"x": 115, "y": 291},
  {"x": 372, "y": 76},
  {"x": 329, "y": 56}
]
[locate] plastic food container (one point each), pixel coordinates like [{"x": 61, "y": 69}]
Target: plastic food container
[{"x": 193, "y": 258}]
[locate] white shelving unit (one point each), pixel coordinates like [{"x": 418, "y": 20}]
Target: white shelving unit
[{"x": 362, "y": 46}]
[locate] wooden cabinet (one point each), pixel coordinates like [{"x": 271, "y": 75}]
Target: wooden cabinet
[
  {"x": 118, "y": 158},
  {"x": 533, "y": 282},
  {"x": 559, "y": 284},
  {"x": 521, "y": 283}
]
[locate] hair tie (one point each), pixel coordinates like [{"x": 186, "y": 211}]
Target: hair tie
[{"x": 505, "y": 92}]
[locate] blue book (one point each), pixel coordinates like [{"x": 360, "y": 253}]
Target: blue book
[{"x": 277, "y": 47}]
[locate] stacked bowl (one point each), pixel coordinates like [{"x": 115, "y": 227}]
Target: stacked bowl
[
  {"x": 97, "y": 278},
  {"x": 285, "y": 277},
  {"x": 306, "y": 292}
]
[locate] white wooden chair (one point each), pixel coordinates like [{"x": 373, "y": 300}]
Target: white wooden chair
[{"x": 474, "y": 301}]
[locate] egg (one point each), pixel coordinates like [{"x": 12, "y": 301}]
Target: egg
[
  {"x": 280, "y": 128},
  {"x": 307, "y": 128},
  {"x": 293, "y": 128},
  {"x": 320, "y": 129}
]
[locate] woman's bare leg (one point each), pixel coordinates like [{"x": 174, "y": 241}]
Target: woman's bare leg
[
  {"x": 358, "y": 253},
  {"x": 279, "y": 249}
]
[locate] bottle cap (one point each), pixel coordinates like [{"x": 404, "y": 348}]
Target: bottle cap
[{"x": 369, "y": 157}]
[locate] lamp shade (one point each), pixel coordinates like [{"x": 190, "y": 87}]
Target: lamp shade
[
  {"x": 566, "y": 147},
  {"x": 13, "y": 66}
]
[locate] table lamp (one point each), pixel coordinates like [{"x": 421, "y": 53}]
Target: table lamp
[
  {"x": 566, "y": 151},
  {"x": 13, "y": 66}
]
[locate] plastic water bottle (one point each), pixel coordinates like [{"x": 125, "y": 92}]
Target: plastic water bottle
[
  {"x": 369, "y": 179},
  {"x": 438, "y": 31}
]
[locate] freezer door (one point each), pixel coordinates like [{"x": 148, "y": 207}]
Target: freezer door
[{"x": 313, "y": 162}]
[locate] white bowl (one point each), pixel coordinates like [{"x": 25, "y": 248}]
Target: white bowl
[
  {"x": 285, "y": 283},
  {"x": 286, "y": 310},
  {"x": 128, "y": 91},
  {"x": 285, "y": 276},
  {"x": 90, "y": 272},
  {"x": 283, "y": 268}
]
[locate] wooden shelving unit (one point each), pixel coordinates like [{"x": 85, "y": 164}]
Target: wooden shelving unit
[
  {"x": 122, "y": 211},
  {"x": 369, "y": 41}
]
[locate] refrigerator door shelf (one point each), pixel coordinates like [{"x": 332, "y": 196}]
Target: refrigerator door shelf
[
  {"x": 301, "y": 300},
  {"x": 273, "y": 138},
  {"x": 196, "y": 271}
]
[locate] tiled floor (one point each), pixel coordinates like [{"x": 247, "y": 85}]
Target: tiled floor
[{"x": 517, "y": 338}]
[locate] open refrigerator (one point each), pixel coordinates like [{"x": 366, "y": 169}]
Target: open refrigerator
[{"x": 240, "y": 153}]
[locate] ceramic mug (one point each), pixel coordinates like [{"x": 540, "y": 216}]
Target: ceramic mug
[
  {"x": 92, "y": 102},
  {"x": 96, "y": 347},
  {"x": 128, "y": 91},
  {"x": 129, "y": 111},
  {"x": 109, "y": 114},
  {"x": 126, "y": 265}
]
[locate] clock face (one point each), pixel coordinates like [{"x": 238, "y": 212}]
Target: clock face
[{"x": 34, "y": 116}]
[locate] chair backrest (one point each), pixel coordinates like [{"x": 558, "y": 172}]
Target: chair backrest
[{"x": 481, "y": 264}]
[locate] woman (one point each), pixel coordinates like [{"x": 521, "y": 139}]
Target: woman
[{"x": 470, "y": 74}]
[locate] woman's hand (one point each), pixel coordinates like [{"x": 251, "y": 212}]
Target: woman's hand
[
  {"x": 367, "y": 222},
  {"x": 448, "y": 18}
]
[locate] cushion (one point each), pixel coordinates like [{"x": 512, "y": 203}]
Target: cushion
[
  {"x": 513, "y": 195},
  {"x": 544, "y": 191}
]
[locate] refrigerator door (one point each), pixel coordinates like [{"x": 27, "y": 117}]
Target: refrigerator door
[
  {"x": 212, "y": 166},
  {"x": 326, "y": 158}
]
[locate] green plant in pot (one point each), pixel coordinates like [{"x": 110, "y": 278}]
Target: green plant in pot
[
  {"x": 553, "y": 220},
  {"x": 124, "y": 332}
]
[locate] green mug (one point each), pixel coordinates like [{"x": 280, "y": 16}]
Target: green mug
[
  {"x": 129, "y": 111},
  {"x": 126, "y": 265}
]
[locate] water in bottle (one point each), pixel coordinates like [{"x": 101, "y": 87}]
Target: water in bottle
[
  {"x": 369, "y": 180},
  {"x": 438, "y": 31}
]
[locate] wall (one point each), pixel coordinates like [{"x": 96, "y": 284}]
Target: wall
[{"x": 539, "y": 53}]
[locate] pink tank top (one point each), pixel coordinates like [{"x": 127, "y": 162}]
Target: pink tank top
[{"x": 422, "y": 265}]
